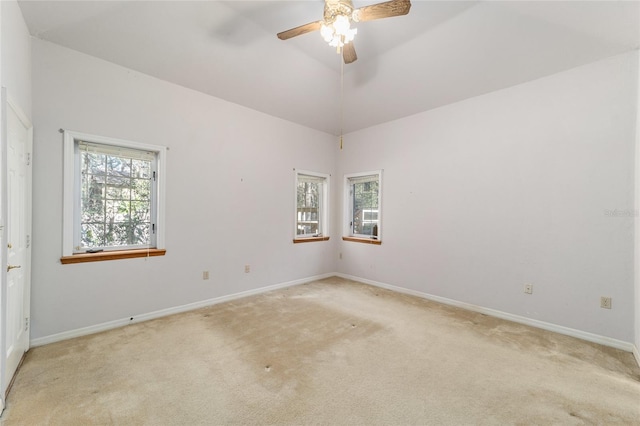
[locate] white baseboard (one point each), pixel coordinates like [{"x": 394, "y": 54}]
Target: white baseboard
[
  {"x": 590, "y": 337},
  {"x": 168, "y": 311}
]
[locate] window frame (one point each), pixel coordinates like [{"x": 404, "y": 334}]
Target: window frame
[
  {"x": 323, "y": 219},
  {"x": 348, "y": 234},
  {"x": 72, "y": 194}
]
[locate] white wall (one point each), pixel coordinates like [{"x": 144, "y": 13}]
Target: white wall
[
  {"x": 229, "y": 194},
  {"x": 16, "y": 55},
  {"x": 485, "y": 195}
]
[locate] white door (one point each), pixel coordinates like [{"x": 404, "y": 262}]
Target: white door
[{"x": 17, "y": 213}]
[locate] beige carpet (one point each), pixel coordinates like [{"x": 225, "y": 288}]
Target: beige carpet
[{"x": 332, "y": 352}]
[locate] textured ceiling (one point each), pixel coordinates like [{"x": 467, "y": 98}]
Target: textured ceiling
[{"x": 441, "y": 52}]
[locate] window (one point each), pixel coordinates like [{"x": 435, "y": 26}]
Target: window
[
  {"x": 363, "y": 207},
  {"x": 113, "y": 198},
  {"x": 311, "y": 206}
]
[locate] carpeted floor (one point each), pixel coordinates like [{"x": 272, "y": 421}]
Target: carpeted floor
[{"x": 332, "y": 352}]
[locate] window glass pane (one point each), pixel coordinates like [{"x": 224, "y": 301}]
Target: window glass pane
[
  {"x": 92, "y": 234},
  {"x": 141, "y": 169},
  {"x": 141, "y": 189},
  {"x": 117, "y": 166},
  {"x": 116, "y": 192},
  {"x": 119, "y": 234},
  {"x": 94, "y": 164},
  {"x": 365, "y": 206},
  {"x": 92, "y": 185},
  {"x": 141, "y": 233},
  {"x": 92, "y": 210},
  {"x": 309, "y": 202},
  {"x": 117, "y": 211},
  {"x": 119, "y": 181},
  {"x": 140, "y": 212},
  {"x": 127, "y": 234},
  {"x": 115, "y": 200}
]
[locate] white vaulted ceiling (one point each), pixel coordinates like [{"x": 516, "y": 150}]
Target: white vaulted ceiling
[{"x": 441, "y": 52}]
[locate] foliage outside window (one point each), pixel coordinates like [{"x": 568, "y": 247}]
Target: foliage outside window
[
  {"x": 113, "y": 194},
  {"x": 117, "y": 188},
  {"x": 311, "y": 204},
  {"x": 363, "y": 203}
]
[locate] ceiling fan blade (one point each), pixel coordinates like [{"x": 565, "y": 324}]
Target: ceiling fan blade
[
  {"x": 302, "y": 29},
  {"x": 382, "y": 10},
  {"x": 349, "y": 53}
]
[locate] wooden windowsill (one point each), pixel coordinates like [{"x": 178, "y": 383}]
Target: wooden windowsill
[
  {"x": 362, "y": 240},
  {"x": 309, "y": 240},
  {"x": 111, "y": 255}
]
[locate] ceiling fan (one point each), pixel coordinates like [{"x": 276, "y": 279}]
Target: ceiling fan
[{"x": 336, "y": 29}]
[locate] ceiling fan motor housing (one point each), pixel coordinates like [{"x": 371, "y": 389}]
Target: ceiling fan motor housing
[{"x": 334, "y": 8}]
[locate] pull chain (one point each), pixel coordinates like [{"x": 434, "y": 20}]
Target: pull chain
[{"x": 341, "y": 99}]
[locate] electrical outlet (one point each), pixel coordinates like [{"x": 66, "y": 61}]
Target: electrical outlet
[
  {"x": 340, "y": 255},
  {"x": 605, "y": 302},
  {"x": 205, "y": 275},
  {"x": 247, "y": 269},
  {"x": 528, "y": 288}
]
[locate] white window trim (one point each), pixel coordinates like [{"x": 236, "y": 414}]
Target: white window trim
[
  {"x": 71, "y": 184},
  {"x": 347, "y": 228},
  {"x": 324, "y": 217}
]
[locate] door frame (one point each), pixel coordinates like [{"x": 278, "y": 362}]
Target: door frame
[{"x": 7, "y": 103}]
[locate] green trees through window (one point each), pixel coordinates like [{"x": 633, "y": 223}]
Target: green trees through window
[
  {"x": 365, "y": 207},
  {"x": 311, "y": 204},
  {"x": 115, "y": 200},
  {"x": 362, "y": 203}
]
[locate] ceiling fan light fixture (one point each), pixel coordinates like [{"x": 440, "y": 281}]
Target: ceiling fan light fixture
[
  {"x": 327, "y": 32},
  {"x": 341, "y": 24},
  {"x": 351, "y": 34},
  {"x": 335, "y": 27},
  {"x": 339, "y": 32}
]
